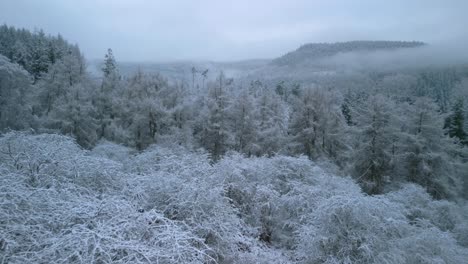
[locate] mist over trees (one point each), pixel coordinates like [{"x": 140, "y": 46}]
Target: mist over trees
[
  {"x": 313, "y": 51},
  {"x": 350, "y": 166}
]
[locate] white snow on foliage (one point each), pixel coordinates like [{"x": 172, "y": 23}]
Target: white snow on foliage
[{"x": 62, "y": 204}]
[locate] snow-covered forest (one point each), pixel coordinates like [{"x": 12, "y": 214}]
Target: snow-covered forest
[{"x": 305, "y": 158}]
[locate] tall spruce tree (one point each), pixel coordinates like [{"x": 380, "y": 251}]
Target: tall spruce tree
[{"x": 456, "y": 121}]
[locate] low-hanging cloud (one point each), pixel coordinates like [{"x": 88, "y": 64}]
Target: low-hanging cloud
[
  {"x": 430, "y": 55},
  {"x": 144, "y": 30}
]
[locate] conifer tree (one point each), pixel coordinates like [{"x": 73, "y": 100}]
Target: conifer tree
[{"x": 456, "y": 121}]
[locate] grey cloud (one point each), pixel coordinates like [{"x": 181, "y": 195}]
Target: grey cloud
[{"x": 231, "y": 30}]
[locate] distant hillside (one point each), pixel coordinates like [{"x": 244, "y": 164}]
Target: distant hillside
[{"x": 319, "y": 50}]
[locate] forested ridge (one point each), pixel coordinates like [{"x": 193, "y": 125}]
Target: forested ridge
[
  {"x": 313, "y": 51},
  {"x": 359, "y": 166}
]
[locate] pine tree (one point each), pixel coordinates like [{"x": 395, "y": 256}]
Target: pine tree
[
  {"x": 212, "y": 128},
  {"x": 15, "y": 89},
  {"x": 110, "y": 66},
  {"x": 105, "y": 98},
  {"x": 39, "y": 56},
  {"x": 456, "y": 121}
]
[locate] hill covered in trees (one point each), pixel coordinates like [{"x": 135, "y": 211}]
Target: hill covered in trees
[
  {"x": 35, "y": 51},
  {"x": 313, "y": 51},
  {"x": 365, "y": 166}
]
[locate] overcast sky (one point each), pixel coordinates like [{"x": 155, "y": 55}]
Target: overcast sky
[{"x": 144, "y": 30}]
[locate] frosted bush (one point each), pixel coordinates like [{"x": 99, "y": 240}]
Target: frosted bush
[
  {"x": 348, "y": 229},
  {"x": 62, "y": 204},
  {"x": 445, "y": 215},
  {"x": 112, "y": 151},
  {"x": 274, "y": 195},
  {"x": 50, "y": 159},
  {"x": 363, "y": 229},
  {"x": 183, "y": 186},
  {"x": 73, "y": 221}
]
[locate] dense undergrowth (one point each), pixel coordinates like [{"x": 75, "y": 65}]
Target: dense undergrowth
[{"x": 62, "y": 204}]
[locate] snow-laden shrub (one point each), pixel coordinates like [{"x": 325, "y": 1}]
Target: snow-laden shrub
[
  {"x": 365, "y": 229},
  {"x": 350, "y": 229},
  {"x": 66, "y": 225},
  {"x": 156, "y": 159},
  {"x": 61, "y": 204},
  {"x": 275, "y": 194},
  {"x": 36, "y": 154},
  {"x": 50, "y": 159},
  {"x": 80, "y": 217},
  {"x": 424, "y": 244},
  {"x": 112, "y": 151},
  {"x": 185, "y": 188},
  {"x": 419, "y": 206}
]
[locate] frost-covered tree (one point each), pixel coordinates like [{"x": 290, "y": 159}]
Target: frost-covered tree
[
  {"x": 109, "y": 67},
  {"x": 242, "y": 115},
  {"x": 65, "y": 99},
  {"x": 39, "y": 59},
  {"x": 76, "y": 116},
  {"x": 437, "y": 83},
  {"x": 426, "y": 155},
  {"x": 272, "y": 116},
  {"x": 104, "y": 98},
  {"x": 455, "y": 122},
  {"x": 34, "y": 51},
  {"x": 15, "y": 89},
  {"x": 212, "y": 127},
  {"x": 66, "y": 72},
  {"x": 374, "y": 147},
  {"x": 316, "y": 124}
]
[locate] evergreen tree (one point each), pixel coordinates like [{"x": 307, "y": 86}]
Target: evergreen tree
[
  {"x": 39, "y": 59},
  {"x": 212, "y": 131},
  {"x": 15, "y": 90},
  {"x": 455, "y": 123},
  {"x": 110, "y": 66},
  {"x": 108, "y": 94}
]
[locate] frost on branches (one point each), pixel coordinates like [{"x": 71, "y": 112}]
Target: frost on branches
[{"x": 62, "y": 204}]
